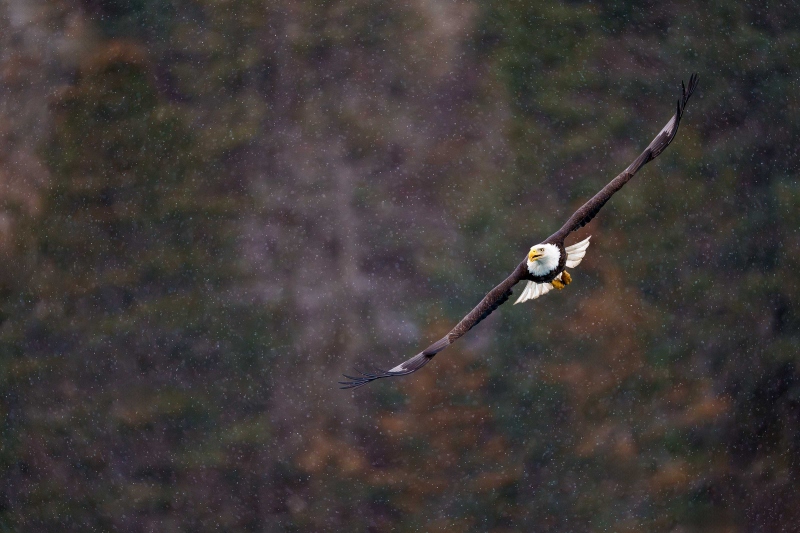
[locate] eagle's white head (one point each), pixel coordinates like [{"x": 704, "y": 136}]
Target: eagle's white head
[{"x": 543, "y": 259}]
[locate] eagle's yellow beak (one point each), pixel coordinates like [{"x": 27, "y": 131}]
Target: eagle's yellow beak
[{"x": 534, "y": 254}]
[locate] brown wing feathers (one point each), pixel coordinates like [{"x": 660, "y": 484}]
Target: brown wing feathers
[
  {"x": 494, "y": 299},
  {"x": 490, "y": 302},
  {"x": 502, "y": 292},
  {"x": 588, "y": 211},
  {"x": 412, "y": 365}
]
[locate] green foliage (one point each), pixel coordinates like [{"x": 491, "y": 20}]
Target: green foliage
[{"x": 123, "y": 312}]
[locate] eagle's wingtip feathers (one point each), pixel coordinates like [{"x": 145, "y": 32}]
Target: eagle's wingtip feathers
[
  {"x": 368, "y": 377},
  {"x": 686, "y": 92},
  {"x": 357, "y": 381},
  {"x": 692, "y": 85}
]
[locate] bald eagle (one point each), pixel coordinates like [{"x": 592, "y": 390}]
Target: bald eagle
[{"x": 544, "y": 269}]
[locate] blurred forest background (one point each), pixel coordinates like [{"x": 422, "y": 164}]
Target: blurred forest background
[{"x": 210, "y": 209}]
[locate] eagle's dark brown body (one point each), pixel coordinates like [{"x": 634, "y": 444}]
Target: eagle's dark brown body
[{"x": 498, "y": 296}]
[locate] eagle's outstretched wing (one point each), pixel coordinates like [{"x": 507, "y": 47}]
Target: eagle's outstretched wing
[
  {"x": 494, "y": 299},
  {"x": 587, "y": 212}
]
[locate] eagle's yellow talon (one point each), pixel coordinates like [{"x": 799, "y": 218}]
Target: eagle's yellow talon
[
  {"x": 566, "y": 278},
  {"x": 558, "y": 284}
]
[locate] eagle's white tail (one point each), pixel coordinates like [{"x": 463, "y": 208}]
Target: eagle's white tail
[
  {"x": 576, "y": 252},
  {"x": 534, "y": 290}
]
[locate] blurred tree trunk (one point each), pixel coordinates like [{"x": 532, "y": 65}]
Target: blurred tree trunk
[{"x": 40, "y": 44}]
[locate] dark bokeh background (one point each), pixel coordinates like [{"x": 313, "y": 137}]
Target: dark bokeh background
[{"x": 211, "y": 208}]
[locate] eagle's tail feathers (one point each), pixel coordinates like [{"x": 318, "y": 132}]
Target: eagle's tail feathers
[
  {"x": 533, "y": 290},
  {"x": 524, "y": 295},
  {"x": 576, "y": 252}
]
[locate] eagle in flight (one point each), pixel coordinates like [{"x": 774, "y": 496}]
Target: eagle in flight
[{"x": 544, "y": 269}]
